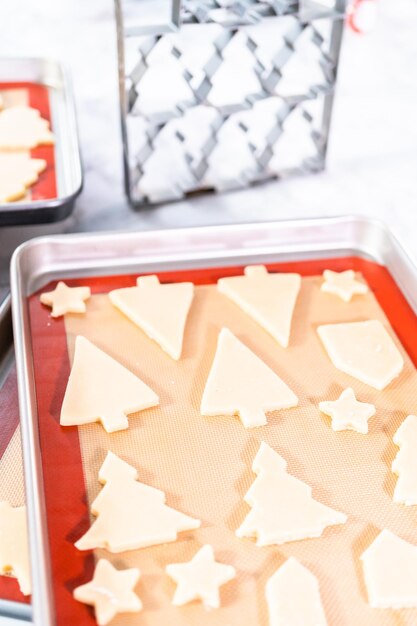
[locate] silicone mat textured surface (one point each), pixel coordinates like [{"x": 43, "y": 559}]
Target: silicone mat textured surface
[
  {"x": 12, "y": 488},
  {"x": 35, "y": 96},
  {"x": 204, "y": 464}
]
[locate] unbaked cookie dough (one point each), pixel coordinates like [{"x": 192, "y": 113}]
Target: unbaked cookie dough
[
  {"x": 293, "y": 597},
  {"x": 23, "y": 128},
  {"x": 283, "y": 508},
  {"x": 17, "y": 173},
  {"x": 130, "y": 514},
  {"x": 390, "y": 566},
  {"x": 200, "y": 579},
  {"x": 240, "y": 383},
  {"x": 100, "y": 389},
  {"x": 110, "y": 592},
  {"x": 159, "y": 310},
  {"x": 347, "y": 412},
  {"x": 364, "y": 350},
  {"x": 405, "y": 463},
  {"x": 343, "y": 284},
  {"x": 268, "y": 298},
  {"x": 64, "y": 299},
  {"x": 14, "y": 548}
]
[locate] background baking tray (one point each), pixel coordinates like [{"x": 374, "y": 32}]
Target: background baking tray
[
  {"x": 39, "y": 261},
  {"x": 13, "y": 605},
  {"x": 49, "y": 90}
]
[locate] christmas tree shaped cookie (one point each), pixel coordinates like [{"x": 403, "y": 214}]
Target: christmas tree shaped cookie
[
  {"x": 363, "y": 350},
  {"x": 110, "y": 592},
  {"x": 405, "y": 463},
  {"x": 101, "y": 390},
  {"x": 293, "y": 597},
  {"x": 17, "y": 173},
  {"x": 241, "y": 384},
  {"x": 390, "y": 566},
  {"x": 22, "y": 128},
  {"x": 14, "y": 549},
  {"x": 200, "y": 579},
  {"x": 130, "y": 514},
  {"x": 159, "y": 310},
  {"x": 283, "y": 508},
  {"x": 268, "y": 298},
  {"x": 64, "y": 299}
]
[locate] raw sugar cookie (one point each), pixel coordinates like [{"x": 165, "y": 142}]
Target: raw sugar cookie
[
  {"x": 159, "y": 310},
  {"x": 14, "y": 548},
  {"x": 293, "y": 597},
  {"x": 240, "y": 383},
  {"x": 343, "y": 284},
  {"x": 17, "y": 173},
  {"x": 405, "y": 462},
  {"x": 100, "y": 389},
  {"x": 200, "y": 579},
  {"x": 110, "y": 592},
  {"x": 282, "y": 507},
  {"x": 64, "y": 299},
  {"x": 130, "y": 514},
  {"x": 23, "y": 128},
  {"x": 347, "y": 412},
  {"x": 268, "y": 298},
  {"x": 389, "y": 567},
  {"x": 364, "y": 350}
]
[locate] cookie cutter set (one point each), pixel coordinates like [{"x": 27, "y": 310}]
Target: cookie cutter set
[
  {"x": 68, "y": 170},
  {"x": 221, "y": 94},
  {"x": 72, "y": 256}
]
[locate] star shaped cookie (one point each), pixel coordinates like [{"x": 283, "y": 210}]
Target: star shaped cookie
[
  {"x": 343, "y": 284},
  {"x": 200, "y": 579},
  {"x": 347, "y": 413},
  {"x": 110, "y": 592},
  {"x": 64, "y": 299}
]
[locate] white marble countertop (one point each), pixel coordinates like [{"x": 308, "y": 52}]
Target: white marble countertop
[{"x": 372, "y": 161}]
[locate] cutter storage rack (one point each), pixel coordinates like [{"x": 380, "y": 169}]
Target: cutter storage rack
[{"x": 218, "y": 95}]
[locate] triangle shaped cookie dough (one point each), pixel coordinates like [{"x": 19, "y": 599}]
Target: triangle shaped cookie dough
[
  {"x": 293, "y": 597},
  {"x": 268, "y": 298},
  {"x": 240, "y": 383},
  {"x": 23, "y": 128},
  {"x": 364, "y": 350},
  {"x": 159, "y": 310},
  {"x": 14, "y": 548},
  {"x": 100, "y": 389},
  {"x": 390, "y": 566},
  {"x": 283, "y": 508},
  {"x": 405, "y": 463},
  {"x": 130, "y": 514}
]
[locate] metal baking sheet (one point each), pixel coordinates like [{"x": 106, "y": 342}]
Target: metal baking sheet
[
  {"x": 68, "y": 172},
  {"x": 44, "y": 259},
  {"x": 13, "y": 610}
]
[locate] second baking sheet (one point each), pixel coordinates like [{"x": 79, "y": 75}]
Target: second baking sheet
[{"x": 204, "y": 464}]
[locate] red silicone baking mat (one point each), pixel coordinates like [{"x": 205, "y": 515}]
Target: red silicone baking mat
[
  {"x": 11, "y": 467},
  {"x": 64, "y": 479},
  {"x": 37, "y": 96}
]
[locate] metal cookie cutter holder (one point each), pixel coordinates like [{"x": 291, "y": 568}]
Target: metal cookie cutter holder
[{"x": 224, "y": 94}]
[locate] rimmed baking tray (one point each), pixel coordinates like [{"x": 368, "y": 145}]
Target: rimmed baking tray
[
  {"x": 45, "y": 85},
  {"x": 78, "y": 256},
  {"x": 12, "y": 604}
]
